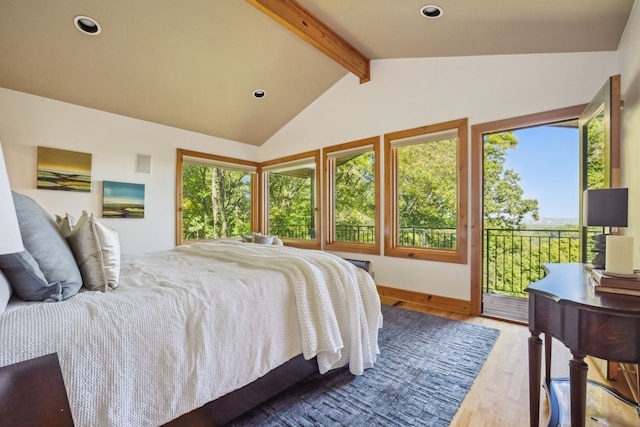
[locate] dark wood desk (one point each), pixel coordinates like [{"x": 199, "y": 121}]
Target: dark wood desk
[
  {"x": 564, "y": 305},
  {"x": 32, "y": 393}
]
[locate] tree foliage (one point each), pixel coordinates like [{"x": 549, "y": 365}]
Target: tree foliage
[
  {"x": 595, "y": 153},
  {"x": 427, "y": 184},
  {"x": 291, "y": 203},
  {"x": 216, "y": 202},
  {"x": 514, "y": 257},
  {"x": 355, "y": 191},
  {"x": 504, "y": 205}
]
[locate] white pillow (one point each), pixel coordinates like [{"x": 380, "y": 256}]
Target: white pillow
[
  {"x": 5, "y": 292},
  {"x": 66, "y": 224},
  {"x": 96, "y": 249}
]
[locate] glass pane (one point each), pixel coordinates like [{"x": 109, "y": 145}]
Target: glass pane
[
  {"x": 355, "y": 198},
  {"x": 216, "y": 202},
  {"x": 427, "y": 199},
  {"x": 595, "y": 153},
  {"x": 530, "y": 213},
  {"x": 292, "y": 204},
  {"x": 595, "y": 174}
]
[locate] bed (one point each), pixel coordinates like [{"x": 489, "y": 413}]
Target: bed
[{"x": 193, "y": 325}]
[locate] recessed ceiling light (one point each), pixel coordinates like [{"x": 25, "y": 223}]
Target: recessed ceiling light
[
  {"x": 259, "y": 93},
  {"x": 431, "y": 11},
  {"x": 87, "y": 25}
]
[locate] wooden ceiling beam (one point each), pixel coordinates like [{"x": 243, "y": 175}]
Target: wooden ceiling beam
[{"x": 301, "y": 22}]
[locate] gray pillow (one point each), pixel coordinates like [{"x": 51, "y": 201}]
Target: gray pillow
[
  {"x": 43, "y": 239},
  {"x": 262, "y": 239},
  {"x": 27, "y": 280}
]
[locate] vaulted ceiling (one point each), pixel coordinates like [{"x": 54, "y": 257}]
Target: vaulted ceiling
[{"x": 194, "y": 64}]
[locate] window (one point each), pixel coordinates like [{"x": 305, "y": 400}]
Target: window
[
  {"x": 290, "y": 188},
  {"x": 426, "y": 192},
  {"x": 215, "y": 197},
  {"x": 352, "y": 194}
]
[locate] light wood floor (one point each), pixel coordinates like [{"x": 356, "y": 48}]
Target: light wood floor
[{"x": 500, "y": 393}]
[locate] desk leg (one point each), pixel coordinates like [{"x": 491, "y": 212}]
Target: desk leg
[
  {"x": 535, "y": 356},
  {"x": 578, "y": 389},
  {"x": 548, "y": 342}
]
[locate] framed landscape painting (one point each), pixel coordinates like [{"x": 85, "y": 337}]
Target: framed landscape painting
[
  {"x": 122, "y": 200},
  {"x": 64, "y": 170}
]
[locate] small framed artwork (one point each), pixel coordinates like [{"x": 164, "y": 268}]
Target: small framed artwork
[
  {"x": 64, "y": 170},
  {"x": 122, "y": 200}
]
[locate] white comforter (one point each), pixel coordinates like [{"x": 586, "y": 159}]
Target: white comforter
[{"x": 189, "y": 325}]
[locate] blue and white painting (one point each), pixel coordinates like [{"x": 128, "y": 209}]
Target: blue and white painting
[{"x": 122, "y": 200}]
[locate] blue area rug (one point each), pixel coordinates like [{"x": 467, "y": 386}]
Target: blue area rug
[{"x": 425, "y": 369}]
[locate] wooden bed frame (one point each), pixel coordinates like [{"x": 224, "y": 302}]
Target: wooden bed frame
[
  {"x": 236, "y": 403},
  {"x": 33, "y": 393}
]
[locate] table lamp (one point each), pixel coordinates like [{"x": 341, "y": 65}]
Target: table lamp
[
  {"x": 608, "y": 207},
  {"x": 11, "y": 241}
]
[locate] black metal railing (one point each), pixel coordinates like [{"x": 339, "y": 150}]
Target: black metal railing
[
  {"x": 513, "y": 258},
  {"x": 293, "y": 231},
  {"x": 408, "y": 236},
  {"x": 425, "y": 237},
  {"x": 355, "y": 233}
]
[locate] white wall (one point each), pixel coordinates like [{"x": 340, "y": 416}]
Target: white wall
[
  {"x": 402, "y": 94},
  {"x": 28, "y": 121},
  {"x": 407, "y": 93},
  {"x": 629, "y": 51}
]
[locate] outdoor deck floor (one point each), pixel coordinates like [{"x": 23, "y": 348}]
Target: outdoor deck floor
[{"x": 506, "y": 307}]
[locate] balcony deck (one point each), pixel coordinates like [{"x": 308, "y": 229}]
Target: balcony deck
[{"x": 506, "y": 307}]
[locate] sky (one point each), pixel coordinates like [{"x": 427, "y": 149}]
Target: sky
[
  {"x": 548, "y": 161},
  {"x": 121, "y": 192}
]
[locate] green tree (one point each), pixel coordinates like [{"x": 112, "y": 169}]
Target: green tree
[
  {"x": 197, "y": 222},
  {"x": 504, "y": 205},
  {"x": 427, "y": 183},
  {"x": 595, "y": 153},
  {"x": 291, "y": 203},
  {"x": 216, "y": 202},
  {"x": 515, "y": 258},
  {"x": 355, "y": 191}
]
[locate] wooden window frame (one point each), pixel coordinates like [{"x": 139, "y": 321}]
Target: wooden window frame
[
  {"x": 328, "y": 166},
  {"x": 181, "y": 154},
  {"x": 264, "y": 198},
  {"x": 391, "y": 247}
]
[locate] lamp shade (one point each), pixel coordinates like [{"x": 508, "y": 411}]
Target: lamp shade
[
  {"x": 11, "y": 239},
  {"x": 606, "y": 207}
]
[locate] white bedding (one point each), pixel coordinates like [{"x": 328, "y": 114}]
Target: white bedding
[{"x": 188, "y": 325}]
